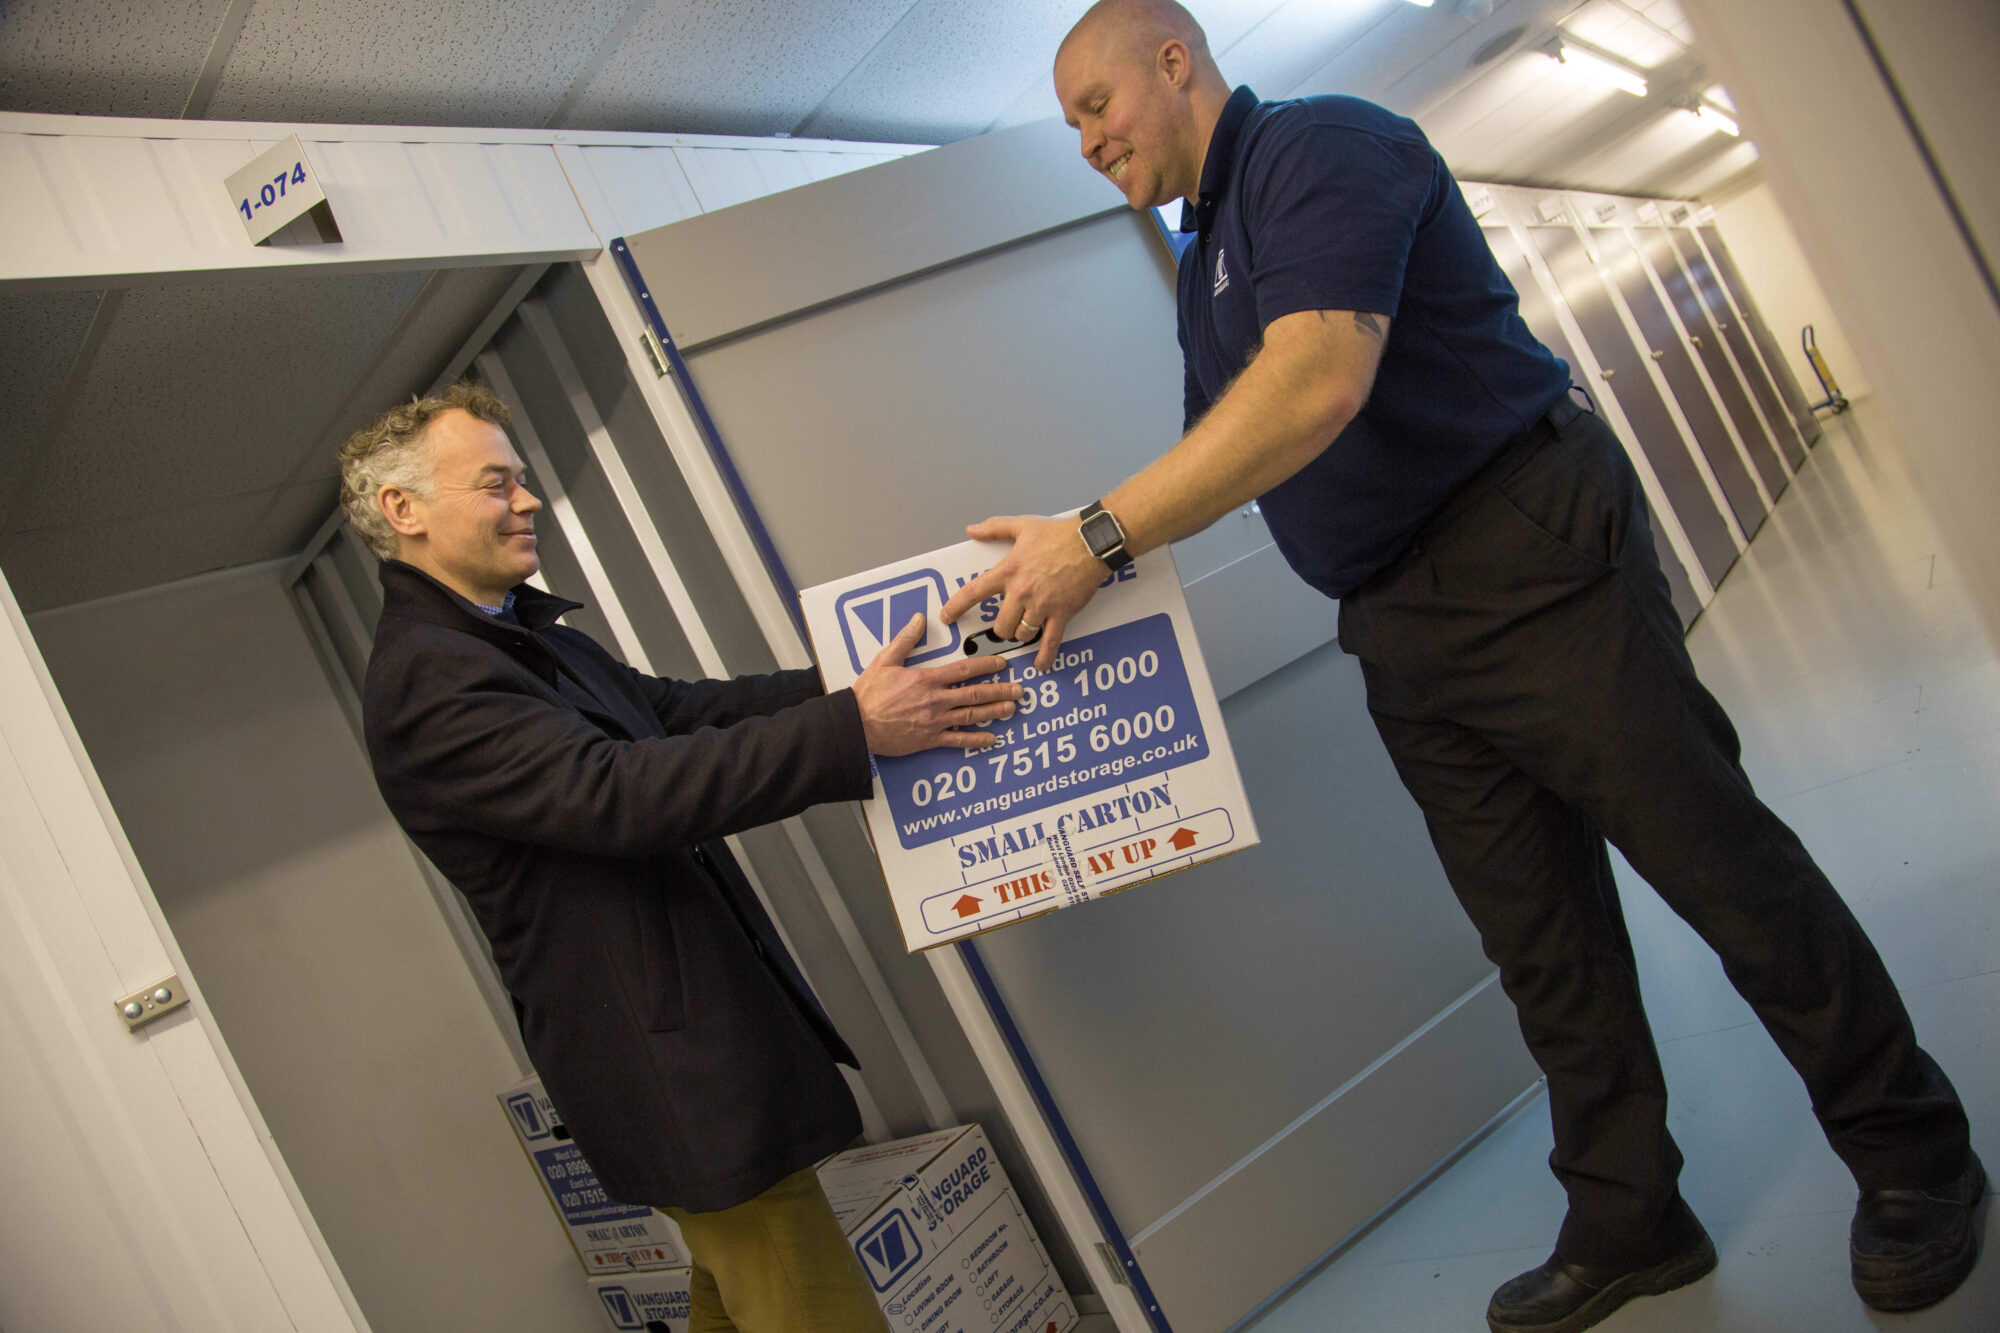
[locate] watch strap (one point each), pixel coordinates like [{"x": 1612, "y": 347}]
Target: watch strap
[{"x": 1117, "y": 557}]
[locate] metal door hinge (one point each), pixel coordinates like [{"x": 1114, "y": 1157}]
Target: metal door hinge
[
  {"x": 1111, "y": 1261},
  {"x": 654, "y": 353},
  {"x": 155, "y": 1001}
]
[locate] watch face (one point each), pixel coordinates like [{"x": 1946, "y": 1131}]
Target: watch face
[{"x": 1100, "y": 532}]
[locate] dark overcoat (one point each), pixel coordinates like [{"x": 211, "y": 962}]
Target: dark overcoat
[{"x": 579, "y": 806}]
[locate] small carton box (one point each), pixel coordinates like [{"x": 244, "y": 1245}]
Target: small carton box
[
  {"x": 943, "y": 1239},
  {"x": 645, "y": 1302},
  {"x": 1115, "y": 768},
  {"x": 609, "y": 1237}
]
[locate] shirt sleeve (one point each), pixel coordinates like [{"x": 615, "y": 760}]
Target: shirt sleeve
[
  {"x": 1194, "y": 403},
  {"x": 1332, "y": 212}
]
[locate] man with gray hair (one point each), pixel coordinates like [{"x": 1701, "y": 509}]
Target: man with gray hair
[
  {"x": 581, "y": 807},
  {"x": 1356, "y": 360}
]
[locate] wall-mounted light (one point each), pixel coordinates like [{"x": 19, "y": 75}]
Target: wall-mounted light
[{"x": 1595, "y": 66}]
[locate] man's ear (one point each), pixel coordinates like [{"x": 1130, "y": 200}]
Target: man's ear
[
  {"x": 400, "y": 508},
  {"x": 1174, "y": 62}
]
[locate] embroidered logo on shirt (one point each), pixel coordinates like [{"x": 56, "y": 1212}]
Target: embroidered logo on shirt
[{"x": 1221, "y": 274}]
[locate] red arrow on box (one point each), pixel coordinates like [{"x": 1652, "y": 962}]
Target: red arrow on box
[
  {"x": 1182, "y": 839},
  {"x": 967, "y": 906}
]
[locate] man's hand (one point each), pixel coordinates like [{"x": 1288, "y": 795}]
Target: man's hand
[
  {"x": 1044, "y": 581},
  {"x": 907, "y": 709}
]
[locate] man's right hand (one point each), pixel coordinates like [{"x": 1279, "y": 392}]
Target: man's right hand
[{"x": 907, "y": 709}]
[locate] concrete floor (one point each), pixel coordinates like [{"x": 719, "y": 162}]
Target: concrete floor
[{"x": 1868, "y": 699}]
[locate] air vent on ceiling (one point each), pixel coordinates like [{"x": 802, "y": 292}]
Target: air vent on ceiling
[{"x": 1499, "y": 46}]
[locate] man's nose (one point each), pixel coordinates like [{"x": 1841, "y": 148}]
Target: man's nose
[
  {"x": 1093, "y": 140},
  {"x": 525, "y": 501}
]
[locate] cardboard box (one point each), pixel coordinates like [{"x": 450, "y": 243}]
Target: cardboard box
[
  {"x": 609, "y": 1237},
  {"x": 645, "y": 1302},
  {"x": 943, "y": 1239},
  {"x": 1115, "y": 769}
]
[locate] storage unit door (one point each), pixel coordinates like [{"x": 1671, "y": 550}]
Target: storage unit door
[
  {"x": 1738, "y": 338},
  {"x": 1625, "y": 375},
  {"x": 1659, "y": 251},
  {"x": 1664, "y": 345},
  {"x": 1775, "y": 361},
  {"x": 1538, "y": 313}
]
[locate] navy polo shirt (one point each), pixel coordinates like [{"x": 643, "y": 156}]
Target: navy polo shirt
[{"x": 1333, "y": 203}]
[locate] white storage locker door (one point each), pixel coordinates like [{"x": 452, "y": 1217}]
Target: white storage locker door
[
  {"x": 141, "y": 1188},
  {"x": 1249, "y": 1059}
]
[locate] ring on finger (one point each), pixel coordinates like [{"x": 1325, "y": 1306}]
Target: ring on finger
[{"x": 1029, "y": 626}]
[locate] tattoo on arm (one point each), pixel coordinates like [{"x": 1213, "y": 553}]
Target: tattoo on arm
[{"x": 1368, "y": 324}]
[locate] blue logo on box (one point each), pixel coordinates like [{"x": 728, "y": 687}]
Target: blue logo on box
[
  {"x": 869, "y": 617},
  {"x": 618, "y": 1304},
  {"x": 889, "y": 1249},
  {"x": 528, "y": 1115}
]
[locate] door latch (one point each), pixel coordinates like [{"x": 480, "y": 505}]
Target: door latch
[{"x": 155, "y": 1001}]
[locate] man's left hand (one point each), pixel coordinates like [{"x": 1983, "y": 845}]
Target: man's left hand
[{"x": 1043, "y": 582}]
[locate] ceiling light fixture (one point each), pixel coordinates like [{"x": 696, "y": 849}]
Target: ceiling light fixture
[
  {"x": 1709, "y": 116},
  {"x": 1423, "y": 4},
  {"x": 1595, "y": 65}
]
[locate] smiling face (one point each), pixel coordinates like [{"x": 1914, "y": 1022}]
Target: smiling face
[
  {"x": 475, "y": 531},
  {"x": 1133, "y": 108}
]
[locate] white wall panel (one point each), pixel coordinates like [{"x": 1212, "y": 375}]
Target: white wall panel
[
  {"x": 109, "y": 200},
  {"x": 94, "y": 199},
  {"x": 725, "y": 176}
]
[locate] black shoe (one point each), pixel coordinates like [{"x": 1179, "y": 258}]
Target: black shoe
[
  {"x": 1911, "y": 1248},
  {"x": 1561, "y": 1297}
]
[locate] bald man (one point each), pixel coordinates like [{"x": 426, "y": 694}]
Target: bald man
[{"x": 1355, "y": 359}]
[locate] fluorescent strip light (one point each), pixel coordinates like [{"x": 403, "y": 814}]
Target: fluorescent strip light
[
  {"x": 1422, "y": 4},
  {"x": 1715, "y": 119},
  {"x": 1596, "y": 68}
]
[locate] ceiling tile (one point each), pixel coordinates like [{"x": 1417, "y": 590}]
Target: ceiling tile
[
  {"x": 1612, "y": 26},
  {"x": 1526, "y": 102},
  {"x": 1278, "y": 54},
  {"x": 730, "y": 66},
  {"x": 428, "y": 334},
  {"x": 1629, "y": 164},
  {"x": 1712, "y": 175},
  {"x": 946, "y": 71},
  {"x": 82, "y": 562},
  {"x": 1225, "y": 22},
  {"x": 103, "y": 57},
  {"x": 448, "y": 62},
  {"x": 1514, "y": 25},
  {"x": 211, "y": 388},
  {"x": 290, "y": 518}
]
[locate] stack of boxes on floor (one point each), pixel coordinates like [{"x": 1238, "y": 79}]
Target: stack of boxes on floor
[{"x": 933, "y": 1220}]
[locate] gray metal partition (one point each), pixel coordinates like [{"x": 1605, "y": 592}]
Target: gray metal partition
[{"x": 1253, "y": 1057}]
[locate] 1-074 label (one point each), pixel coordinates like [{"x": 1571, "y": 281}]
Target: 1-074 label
[{"x": 1116, "y": 707}]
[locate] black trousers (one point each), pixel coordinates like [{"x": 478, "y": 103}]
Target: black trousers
[{"x": 1526, "y": 669}]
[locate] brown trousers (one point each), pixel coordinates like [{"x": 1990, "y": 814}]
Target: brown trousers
[{"x": 777, "y": 1264}]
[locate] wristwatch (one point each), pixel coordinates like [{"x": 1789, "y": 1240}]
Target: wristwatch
[{"x": 1103, "y": 535}]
